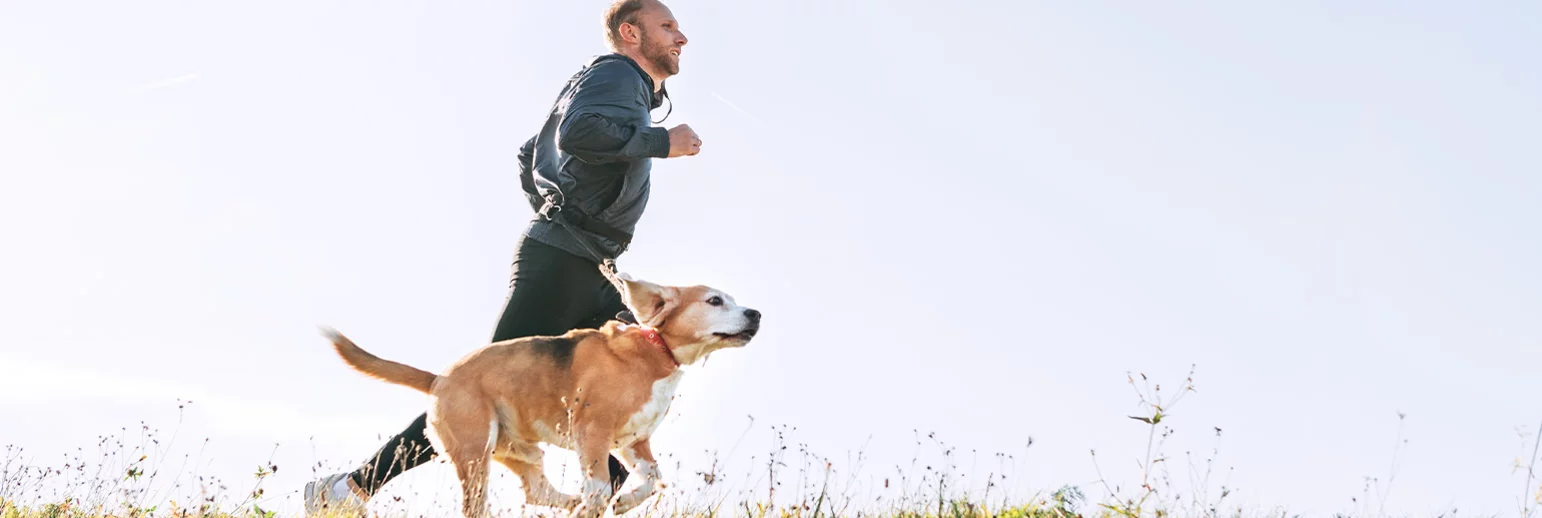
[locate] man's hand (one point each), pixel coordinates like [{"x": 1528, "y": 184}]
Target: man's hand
[{"x": 683, "y": 141}]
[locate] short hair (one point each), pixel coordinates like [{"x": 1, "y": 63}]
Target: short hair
[{"x": 620, "y": 11}]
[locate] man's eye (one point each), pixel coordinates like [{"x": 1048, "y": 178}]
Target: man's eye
[{"x": 715, "y": 301}]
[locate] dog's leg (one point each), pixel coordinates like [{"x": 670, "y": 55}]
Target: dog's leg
[
  {"x": 639, "y": 457},
  {"x": 525, "y": 460},
  {"x": 594, "y": 457},
  {"x": 466, "y": 433}
]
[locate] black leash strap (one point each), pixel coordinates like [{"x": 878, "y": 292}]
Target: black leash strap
[{"x": 608, "y": 268}]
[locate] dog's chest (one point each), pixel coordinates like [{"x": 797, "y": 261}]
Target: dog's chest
[{"x": 647, "y": 419}]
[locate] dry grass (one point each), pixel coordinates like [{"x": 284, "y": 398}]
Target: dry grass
[{"x": 132, "y": 474}]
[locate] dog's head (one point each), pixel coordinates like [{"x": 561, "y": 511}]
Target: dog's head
[{"x": 694, "y": 320}]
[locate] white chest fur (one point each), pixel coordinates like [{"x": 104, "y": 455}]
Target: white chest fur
[{"x": 647, "y": 419}]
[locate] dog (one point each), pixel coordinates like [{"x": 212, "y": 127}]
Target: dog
[{"x": 592, "y": 391}]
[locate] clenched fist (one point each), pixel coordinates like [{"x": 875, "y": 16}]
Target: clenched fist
[{"x": 683, "y": 141}]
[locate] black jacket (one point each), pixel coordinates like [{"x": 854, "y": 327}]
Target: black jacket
[{"x": 592, "y": 157}]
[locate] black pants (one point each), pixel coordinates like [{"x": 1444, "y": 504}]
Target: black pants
[{"x": 550, "y": 293}]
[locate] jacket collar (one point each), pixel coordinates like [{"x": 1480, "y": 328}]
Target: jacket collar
[{"x": 657, "y": 97}]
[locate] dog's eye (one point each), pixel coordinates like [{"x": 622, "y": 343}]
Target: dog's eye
[{"x": 715, "y": 301}]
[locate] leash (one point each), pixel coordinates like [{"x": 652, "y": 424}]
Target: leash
[{"x": 553, "y": 212}]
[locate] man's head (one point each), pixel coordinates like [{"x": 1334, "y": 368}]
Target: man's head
[{"x": 647, "y": 32}]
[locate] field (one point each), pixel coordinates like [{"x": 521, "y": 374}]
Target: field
[{"x": 132, "y": 474}]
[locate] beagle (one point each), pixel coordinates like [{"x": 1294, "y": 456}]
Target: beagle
[{"x": 593, "y": 391}]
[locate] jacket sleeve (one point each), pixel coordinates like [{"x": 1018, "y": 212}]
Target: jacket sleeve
[
  {"x": 527, "y": 174},
  {"x": 599, "y": 122},
  {"x": 527, "y": 154}
]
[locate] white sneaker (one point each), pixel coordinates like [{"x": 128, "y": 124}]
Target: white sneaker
[{"x": 336, "y": 492}]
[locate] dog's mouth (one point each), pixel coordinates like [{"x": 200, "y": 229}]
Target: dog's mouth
[{"x": 745, "y": 335}]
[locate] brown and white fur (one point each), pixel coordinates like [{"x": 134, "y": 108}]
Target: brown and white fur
[{"x": 593, "y": 391}]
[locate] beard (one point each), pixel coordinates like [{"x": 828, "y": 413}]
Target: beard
[{"x": 657, "y": 54}]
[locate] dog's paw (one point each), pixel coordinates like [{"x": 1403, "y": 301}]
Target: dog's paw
[
  {"x": 584, "y": 510},
  {"x": 622, "y": 507},
  {"x": 634, "y": 499}
]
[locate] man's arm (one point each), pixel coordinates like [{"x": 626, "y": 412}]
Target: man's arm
[
  {"x": 597, "y": 127},
  {"x": 527, "y": 153},
  {"x": 527, "y": 174}
]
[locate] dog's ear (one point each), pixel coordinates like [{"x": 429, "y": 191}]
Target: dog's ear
[{"x": 649, "y": 302}]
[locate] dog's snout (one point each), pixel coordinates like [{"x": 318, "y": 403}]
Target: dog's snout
[{"x": 753, "y": 315}]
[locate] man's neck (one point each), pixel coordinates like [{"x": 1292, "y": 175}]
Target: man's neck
[{"x": 658, "y": 82}]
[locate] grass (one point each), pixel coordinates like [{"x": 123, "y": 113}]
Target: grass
[{"x": 133, "y": 474}]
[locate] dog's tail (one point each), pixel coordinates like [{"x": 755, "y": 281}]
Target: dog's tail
[{"x": 375, "y": 367}]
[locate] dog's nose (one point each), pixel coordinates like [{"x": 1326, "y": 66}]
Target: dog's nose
[{"x": 753, "y": 315}]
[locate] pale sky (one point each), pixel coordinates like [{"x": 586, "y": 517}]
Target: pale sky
[{"x": 970, "y": 218}]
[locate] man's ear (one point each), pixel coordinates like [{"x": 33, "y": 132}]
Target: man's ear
[
  {"x": 634, "y": 33},
  {"x": 649, "y": 302}
]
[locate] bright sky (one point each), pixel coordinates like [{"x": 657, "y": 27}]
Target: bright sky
[{"x": 970, "y": 219}]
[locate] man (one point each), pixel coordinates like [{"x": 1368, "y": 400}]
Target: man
[{"x": 586, "y": 173}]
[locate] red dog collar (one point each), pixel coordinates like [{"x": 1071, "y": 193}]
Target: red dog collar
[{"x": 653, "y": 336}]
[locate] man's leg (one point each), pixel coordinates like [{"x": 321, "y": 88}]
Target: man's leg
[
  {"x": 408, "y": 449},
  {"x": 608, "y": 300},
  {"x": 552, "y": 292}
]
